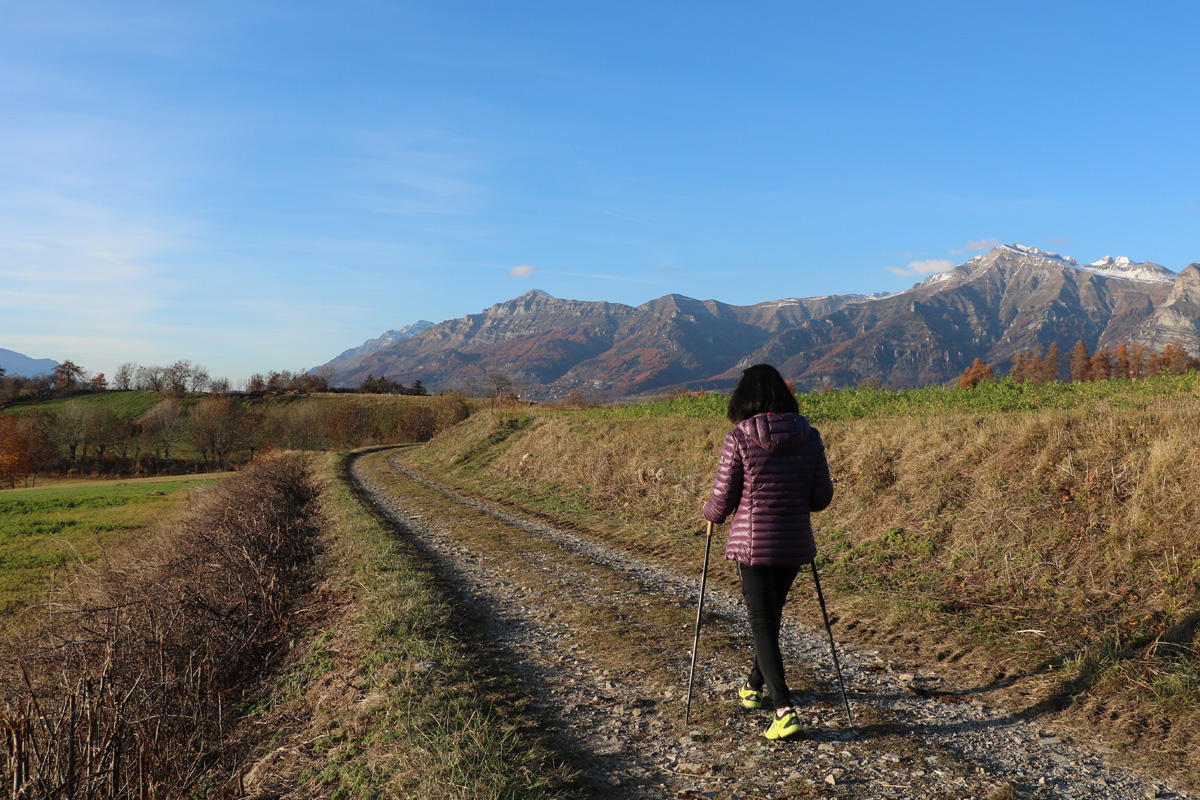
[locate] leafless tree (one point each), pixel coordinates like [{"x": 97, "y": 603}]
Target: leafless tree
[
  {"x": 213, "y": 428},
  {"x": 150, "y": 379},
  {"x": 71, "y": 426},
  {"x": 125, "y": 378},
  {"x": 162, "y": 426},
  {"x": 177, "y": 377}
]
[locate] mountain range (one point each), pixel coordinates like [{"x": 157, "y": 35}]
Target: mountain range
[{"x": 992, "y": 307}]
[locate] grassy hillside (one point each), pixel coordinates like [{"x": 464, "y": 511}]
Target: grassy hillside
[
  {"x": 1046, "y": 556},
  {"x": 126, "y": 405}
]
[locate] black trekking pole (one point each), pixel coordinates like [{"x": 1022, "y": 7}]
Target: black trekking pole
[
  {"x": 832, "y": 647},
  {"x": 687, "y": 711}
]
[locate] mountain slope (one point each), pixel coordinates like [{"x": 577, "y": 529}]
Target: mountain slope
[
  {"x": 992, "y": 307},
  {"x": 15, "y": 363}
]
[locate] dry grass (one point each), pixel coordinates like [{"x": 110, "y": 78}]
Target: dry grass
[
  {"x": 1048, "y": 556},
  {"x": 128, "y": 687},
  {"x": 396, "y": 696}
]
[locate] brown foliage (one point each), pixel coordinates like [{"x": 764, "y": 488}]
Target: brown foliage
[
  {"x": 975, "y": 374},
  {"x": 16, "y": 453},
  {"x": 418, "y": 424}
]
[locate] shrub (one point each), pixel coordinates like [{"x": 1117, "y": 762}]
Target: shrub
[{"x": 127, "y": 690}]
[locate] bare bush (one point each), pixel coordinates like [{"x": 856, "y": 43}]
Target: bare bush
[
  {"x": 418, "y": 424},
  {"x": 130, "y": 685}
]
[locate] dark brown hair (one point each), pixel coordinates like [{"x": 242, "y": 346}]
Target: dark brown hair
[{"x": 761, "y": 390}]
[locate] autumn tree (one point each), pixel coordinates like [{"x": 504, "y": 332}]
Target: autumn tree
[
  {"x": 67, "y": 376},
  {"x": 1137, "y": 362},
  {"x": 1154, "y": 364},
  {"x": 348, "y": 426},
  {"x": 16, "y": 460},
  {"x": 38, "y": 429},
  {"x": 1027, "y": 366},
  {"x": 1175, "y": 359},
  {"x": 1081, "y": 362},
  {"x": 1124, "y": 365},
  {"x": 1050, "y": 364},
  {"x": 976, "y": 374},
  {"x": 1020, "y": 368},
  {"x": 1100, "y": 367},
  {"x": 256, "y": 384},
  {"x": 98, "y": 383}
]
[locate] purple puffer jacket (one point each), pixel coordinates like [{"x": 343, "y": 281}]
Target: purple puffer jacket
[{"x": 773, "y": 472}]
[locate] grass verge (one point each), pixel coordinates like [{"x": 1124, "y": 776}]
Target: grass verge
[{"x": 395, "y": 698}]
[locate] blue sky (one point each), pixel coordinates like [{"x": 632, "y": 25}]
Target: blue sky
[{"x": 260, "y": 185}]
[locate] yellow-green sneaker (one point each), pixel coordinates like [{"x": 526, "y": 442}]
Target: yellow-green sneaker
[
  {"x": 751, "y": 698},
  {"x": 785, "y": 726}
]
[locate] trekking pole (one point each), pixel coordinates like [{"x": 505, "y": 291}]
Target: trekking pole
[
  {"x": 687, "y": 711},
  {"x": 832, "y": 648}
]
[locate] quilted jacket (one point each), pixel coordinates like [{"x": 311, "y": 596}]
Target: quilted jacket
[{"x": 773, "y": 472}]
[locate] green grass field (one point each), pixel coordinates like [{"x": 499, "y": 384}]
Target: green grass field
[
  {"x": 126, "y": 405},
  {"x": 43, "y": 530}
]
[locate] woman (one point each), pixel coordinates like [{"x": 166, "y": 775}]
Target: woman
[{"x": 773, "y": 472}]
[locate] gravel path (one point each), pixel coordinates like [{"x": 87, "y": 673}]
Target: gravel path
[{"x": 623, "y": 720}]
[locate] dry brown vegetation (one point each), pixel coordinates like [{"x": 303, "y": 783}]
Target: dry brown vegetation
[
  {"x": 1046, "y": 558},
  {"x": 137, "y": 670}
]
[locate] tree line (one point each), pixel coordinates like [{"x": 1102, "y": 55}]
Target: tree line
[
  {"x": 1123, "y": 361},
  {"x": 205, "y": 433}
]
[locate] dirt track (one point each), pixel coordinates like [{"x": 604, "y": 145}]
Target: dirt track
[{"x": 601, "y": 640}]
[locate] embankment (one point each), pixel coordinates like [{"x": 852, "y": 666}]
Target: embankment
[{"x": 1046, "y": 559}]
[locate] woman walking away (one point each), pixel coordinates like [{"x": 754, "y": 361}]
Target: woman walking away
[{"x": 773, "y": 472}]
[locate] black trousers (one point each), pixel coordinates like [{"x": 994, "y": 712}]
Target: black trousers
[{"x": 765, "y": 590}]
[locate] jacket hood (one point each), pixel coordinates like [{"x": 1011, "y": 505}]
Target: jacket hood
[{"x": 776, "y": 433}]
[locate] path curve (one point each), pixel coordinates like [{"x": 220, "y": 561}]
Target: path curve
[{"x": 529, "y": 583}]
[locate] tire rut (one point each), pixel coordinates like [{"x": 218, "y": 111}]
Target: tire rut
[{"x": 600, "y": 641}]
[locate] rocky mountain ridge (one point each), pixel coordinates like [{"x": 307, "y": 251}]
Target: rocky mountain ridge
[{"x": 992, "y": 307}]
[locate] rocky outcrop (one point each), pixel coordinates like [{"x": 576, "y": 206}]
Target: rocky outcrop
[{"x": 1177, "y": 320}]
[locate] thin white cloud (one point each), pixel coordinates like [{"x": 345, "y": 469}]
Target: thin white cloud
[
  {"x": 1058, "y": 241},
  {"x": 976, "y": 245},
  {"x": 523, "y": 271},
  {"x": 927, "y": 267}
]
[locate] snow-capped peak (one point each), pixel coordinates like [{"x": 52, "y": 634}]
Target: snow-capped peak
[
  {"x": 1033, "y": 251},
  {"x": 1119, "y": 267}
]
